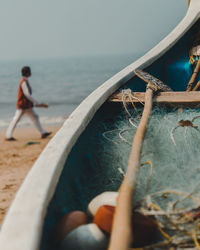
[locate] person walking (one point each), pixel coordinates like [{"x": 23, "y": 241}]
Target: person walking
[{"x": 25, "y": 104}]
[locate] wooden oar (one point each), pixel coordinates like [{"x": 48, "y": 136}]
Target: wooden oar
[
  {"x": 193, "y": 78},
  {"x": 122, "y": 236}
]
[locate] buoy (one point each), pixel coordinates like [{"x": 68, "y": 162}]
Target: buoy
[
  {"x": 144, "y": 228},
  {"x": 67, "y": 223},
  {"x": 86, "y": 237},
  {"x": 106, "y": 198},
  {"x": 104, "y": 217}
]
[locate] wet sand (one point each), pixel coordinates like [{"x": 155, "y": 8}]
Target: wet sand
[{"x": 16, "y": 159}]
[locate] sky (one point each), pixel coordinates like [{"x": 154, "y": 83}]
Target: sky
[{"x": 39, "y": 29}]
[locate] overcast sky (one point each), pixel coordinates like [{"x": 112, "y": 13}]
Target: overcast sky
[{"x": 34, "y": 29}]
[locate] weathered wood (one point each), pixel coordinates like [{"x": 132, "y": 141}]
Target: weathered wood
[
  {"x": 197, "y": 86},
  {"x": 184, "y": 98},
  {"x": 193, "y": 77},
  {"x": 155, "y": 83},
  {"x": 122, "y": 236}
]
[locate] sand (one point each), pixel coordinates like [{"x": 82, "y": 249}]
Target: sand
[{"x": 16, "y": 159}]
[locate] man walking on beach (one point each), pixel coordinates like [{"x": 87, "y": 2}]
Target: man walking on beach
[{"x": 25, "y": 104}]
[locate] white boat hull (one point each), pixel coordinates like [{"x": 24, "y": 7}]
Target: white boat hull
[{"x": 22, "y": 227}]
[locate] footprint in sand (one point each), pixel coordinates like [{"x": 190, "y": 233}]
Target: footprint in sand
[
  {"x": 2, "y": 210},
  {"x": 15, "y": 155},
  {"x": 8, "y": 186}
]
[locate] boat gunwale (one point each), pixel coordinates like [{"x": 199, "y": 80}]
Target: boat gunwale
[{"x": 22, "y": 226}]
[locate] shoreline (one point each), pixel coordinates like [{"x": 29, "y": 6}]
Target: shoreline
[{"x": 17, "y": 158}]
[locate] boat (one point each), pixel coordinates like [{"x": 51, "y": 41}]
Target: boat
[{"x": 88, "y": 155}]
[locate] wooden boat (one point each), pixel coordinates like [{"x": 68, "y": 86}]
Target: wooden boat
[{"x": 72, "y": 170}]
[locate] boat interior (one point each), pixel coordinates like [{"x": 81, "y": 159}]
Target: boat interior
[{"x": 98, "y": 160}]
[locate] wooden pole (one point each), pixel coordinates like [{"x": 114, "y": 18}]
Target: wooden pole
[
  {"x": 193, "y": 78},
  {"x": 197, "y": 86},
  {"x": 122, "y": 235},
  {"x": 188, "y": 2}
]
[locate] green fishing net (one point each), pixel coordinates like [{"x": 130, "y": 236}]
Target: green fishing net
[{"x": 168, "y": 181}]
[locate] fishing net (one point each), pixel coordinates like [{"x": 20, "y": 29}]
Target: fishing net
[{"x": 168, "y": 181}]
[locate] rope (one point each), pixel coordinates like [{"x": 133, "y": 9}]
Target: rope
[
  {"x": 127, "y": 94},
  {"x": 193, "y": 56},
  {"x": 167, "y": 236},
  {"x": 150, "y": 176},
  {"x": 153, "y": 87},
  {"x": 194, "y": 235}
]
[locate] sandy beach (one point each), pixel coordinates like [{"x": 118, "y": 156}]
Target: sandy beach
[{"x": 16, "y": 159}]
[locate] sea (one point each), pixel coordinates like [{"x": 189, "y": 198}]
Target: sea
[{"x": 63, "y": 83}]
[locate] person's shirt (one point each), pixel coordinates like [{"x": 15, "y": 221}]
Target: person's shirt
[{"x": 27, "y": 93}]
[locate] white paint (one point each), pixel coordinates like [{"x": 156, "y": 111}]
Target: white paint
[
  {"x": 22, "y": 227},
  {"x": 85, "y": 237},
  {"x": 105, "y": 198}
]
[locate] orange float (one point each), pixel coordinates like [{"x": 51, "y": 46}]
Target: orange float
[
  {"x": 103, "y": 217},
  {"x": 144, "y": 229}
]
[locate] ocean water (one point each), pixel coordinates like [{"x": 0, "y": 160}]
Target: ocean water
[{"x": 62, "y": 83}]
